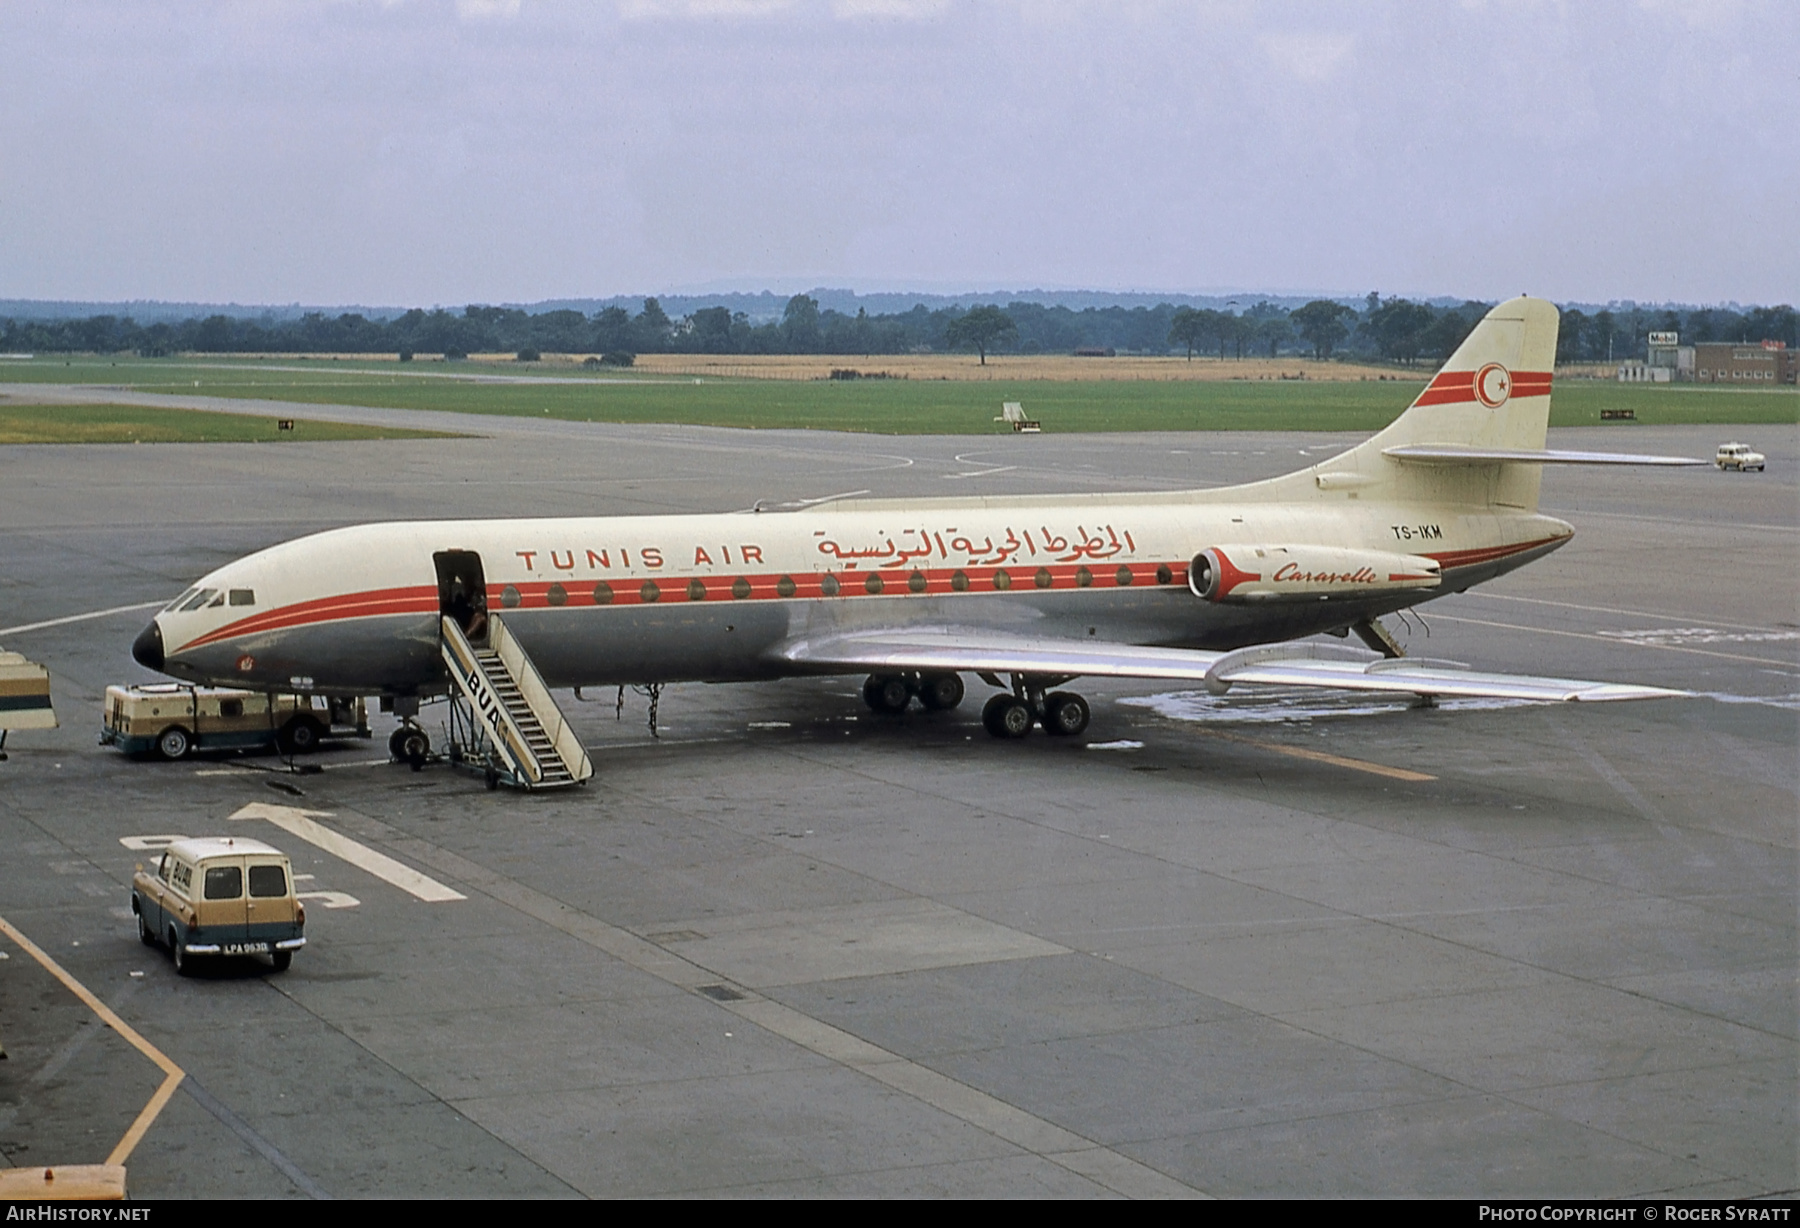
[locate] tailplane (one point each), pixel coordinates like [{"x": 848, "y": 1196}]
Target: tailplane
[{"x": 1491, "y": 397}]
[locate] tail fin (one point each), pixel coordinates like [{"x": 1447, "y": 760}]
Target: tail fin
[
  {"x": 1495, "y": 390},
  {"x": 1493, "y": 394}
]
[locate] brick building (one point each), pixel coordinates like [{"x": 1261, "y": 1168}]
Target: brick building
[{"x": 1728, "y": 362}]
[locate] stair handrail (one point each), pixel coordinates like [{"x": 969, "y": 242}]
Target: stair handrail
[
  {"x": 538, "y": 698},
  {"x": 508, "y": 738}
]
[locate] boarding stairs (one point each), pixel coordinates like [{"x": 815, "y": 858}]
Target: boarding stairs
[{"x": 527, "y": 742}]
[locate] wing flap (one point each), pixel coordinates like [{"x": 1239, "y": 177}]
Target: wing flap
[
  {"x": 977, "y": 652},
  {"x": 1433, "y": 681},
  {"x": 1293, "y": 664}
]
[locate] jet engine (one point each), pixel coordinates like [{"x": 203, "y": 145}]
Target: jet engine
[{"x": 1305, "y": 573}]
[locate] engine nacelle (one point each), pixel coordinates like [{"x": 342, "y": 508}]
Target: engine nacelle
[{"x": 1305, "y": 573}]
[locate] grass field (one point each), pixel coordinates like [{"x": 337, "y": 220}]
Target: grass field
[
  {"x": 909, "y": 406},
  {"x": 138, "y": 424}
]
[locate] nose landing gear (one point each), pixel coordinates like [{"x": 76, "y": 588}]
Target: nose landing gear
[{"x": 409, "y": 744}]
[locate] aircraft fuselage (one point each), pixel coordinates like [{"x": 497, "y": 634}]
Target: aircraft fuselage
[{"x": 608, "y": 600}]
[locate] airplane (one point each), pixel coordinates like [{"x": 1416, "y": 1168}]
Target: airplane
[{"x": 1028, "y": 592}]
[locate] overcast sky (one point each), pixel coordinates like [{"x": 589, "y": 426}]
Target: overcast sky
[{"x": 454, "y": 151}]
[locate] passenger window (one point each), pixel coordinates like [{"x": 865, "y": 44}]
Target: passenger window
[
  {"x": 224, "y": 882},
  {"x": 162, "y": 868},
  {"x": 199, "y": 599},
  {"x": 243, "y": 596},
  {"x": 267, "y": 882}
]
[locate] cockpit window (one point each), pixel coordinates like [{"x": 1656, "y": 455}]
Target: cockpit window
[
  {"x": 199, "y": 599},
  {"x": 216, "y": 602},
  {"x": 243, "y": 596},
  {"x": 177, "y": 602}
]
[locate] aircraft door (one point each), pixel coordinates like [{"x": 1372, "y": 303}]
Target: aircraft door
[{"x": 462, "y": 592}]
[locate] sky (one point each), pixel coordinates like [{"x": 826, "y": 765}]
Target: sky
[{"x": 441, "y": 152}]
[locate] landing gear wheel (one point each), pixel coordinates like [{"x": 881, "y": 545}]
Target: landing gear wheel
[
  {"x": 408, "y": 744},
  {"x": 174, "y": 743},
  {"x": 940, "y": 692},
  {"x": 1006, "y": 717},
  {"x": 887, "y": 693},
  {"x": 300, "y": 736},
  {"x": 282, "y": 960},
  {"x": 1065, "y": 714},
  {"x": 145, "y": 935}
]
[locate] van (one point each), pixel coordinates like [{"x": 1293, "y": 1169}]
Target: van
[
  {"x": 171, "y": 719},
  {"x": 221, "y": 895}
]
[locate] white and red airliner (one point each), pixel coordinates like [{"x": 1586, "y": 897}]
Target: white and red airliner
[{"x": 1027, "y": 592}]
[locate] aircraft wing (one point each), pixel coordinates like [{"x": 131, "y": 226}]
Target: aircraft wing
[{"x": 1292, "y": 664}]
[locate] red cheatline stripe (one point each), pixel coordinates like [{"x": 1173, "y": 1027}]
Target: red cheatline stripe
[
  {"x": 326, "y": 609},
  {"x": 536, "y": 594},
  {"x": 1467, "y": 558},
  {"x": 1454, "y": 387}
]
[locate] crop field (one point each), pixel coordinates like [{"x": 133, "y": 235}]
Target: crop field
[
  {"x": 890, "y": 406},
  {"x": 149, "y": 424}
]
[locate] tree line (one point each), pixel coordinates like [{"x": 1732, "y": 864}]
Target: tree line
[{"x": 1396, "y": 329}]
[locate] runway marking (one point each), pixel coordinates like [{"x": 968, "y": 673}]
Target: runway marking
[
  {"x": 1606, "y": 609},
  {"x": 81, "y": 618},
  {"x": 1590, "y": 635},
  {"x": 1765, "y": 528},
  {"x": 1319, "y": 756},
  {"x": 300, "y": 823},
  {"x": 175, "y": 1074},
  {"x": 1061, "y": 1147}
]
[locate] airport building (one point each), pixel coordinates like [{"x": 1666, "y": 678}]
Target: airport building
[
  {"x": 1764, "y": 363},
  {"x": 1725, "y": 362}
]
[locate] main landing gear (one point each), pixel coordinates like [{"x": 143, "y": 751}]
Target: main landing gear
[
  {"x": 893, "y": 693},
  {"x": 1063, "y": 714}
]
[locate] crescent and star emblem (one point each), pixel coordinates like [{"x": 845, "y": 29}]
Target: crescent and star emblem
[{"x": 1493, "y": 384}]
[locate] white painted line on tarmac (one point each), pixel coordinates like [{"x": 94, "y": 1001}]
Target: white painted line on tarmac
[
  {"x": 300, "y": 823},
  {"x": 81, "y": 618}
]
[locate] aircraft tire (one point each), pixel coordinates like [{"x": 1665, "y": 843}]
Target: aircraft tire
[
  {"x": 408, "y": 743},
  {"x": 300, "y": 736},
  {"x": 174, "y": 743},
  {"x": 887, "y": 694},
  {"x": 940, "y": 692},
  {"x": 1065, "y": 714},
  {"x": 1006, "y": 717}
]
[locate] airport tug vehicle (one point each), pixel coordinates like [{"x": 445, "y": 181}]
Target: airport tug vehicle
[
  {"x": 170, "y": 720},
  {"x": 219, "y": 895}
]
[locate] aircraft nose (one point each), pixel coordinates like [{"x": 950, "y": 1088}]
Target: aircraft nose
[{"x": 147, "y": 649}]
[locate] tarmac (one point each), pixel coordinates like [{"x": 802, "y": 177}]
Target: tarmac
[{"x": 1275, "y": 944}]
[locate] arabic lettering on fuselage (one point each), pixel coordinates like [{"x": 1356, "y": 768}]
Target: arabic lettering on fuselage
[
  {"x": 884, "y": 550},
  {"x": 951, "y": 545}
]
